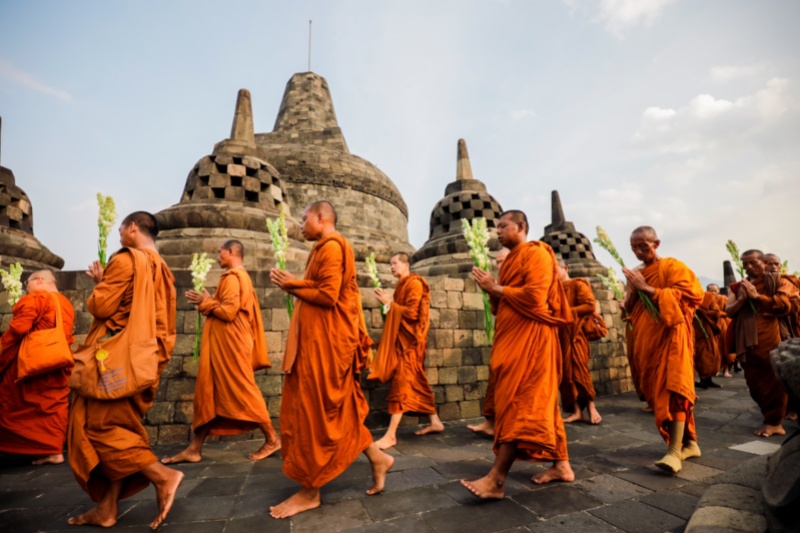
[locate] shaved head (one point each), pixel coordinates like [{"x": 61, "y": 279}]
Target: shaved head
[
  {"x": 758, "y": 253},
  {"x": 774, "y": 257},
  {"x": 42, "y": 280},
  {"x": 401, "y": 256},
  {"x": 325, "y": 209},
  {"x": 146, "y": 223},
  {"x": 517, "y": 217},
  {"x": 648, "y": 232},
  {"x": 233, "y": 246}
]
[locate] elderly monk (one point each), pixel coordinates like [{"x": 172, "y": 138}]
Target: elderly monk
[
  {"x": 756, "y": 305},
  {"x": 726, "y": 357},
  {"x": 707, "y": 360},
  {"x": 577, "y": 389},
  {"x": 401, "y": 355},
  {"x": 323, "y": 409},
  {"x": 530, "y": 306},
  {"x": 664, "y": 345},
  {"x": 109, "y": 451},
  {"x": 33, "y": 418},
  {"x": 486, "y": 427},
  {"x": 227, "y": 400}
]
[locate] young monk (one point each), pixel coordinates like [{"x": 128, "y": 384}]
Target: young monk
[
  {"x": 577, "y": 389},
  {"x": 530, "y": 306},
  {"x": 227, "y": 400},
  {"x": 707, "y": 360},
  {"x": 726, "y": 357},
  {"x": 664, "y": 345},
  {"x": 33, "y": 419},
  {"x": 401, "y": 355},
  {"x": 757, "y": 332},
  {"x": 109, "y": 451},
  {"x": 323, "y": 409}
]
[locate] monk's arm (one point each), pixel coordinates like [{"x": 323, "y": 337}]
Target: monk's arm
[
  {"x": 25, "y": 314},
  {"x": 735, "y": 304},
  {"x": 532, "y": 293},
  {"x": 107, "y": 295},
  {"x": 586, "y": 302},
  {"x": 322, "y": 290},
  {"x": 780, "y": 303},
  {"x": 409, "y": 307},
  {"x": 226, "y": 301}
]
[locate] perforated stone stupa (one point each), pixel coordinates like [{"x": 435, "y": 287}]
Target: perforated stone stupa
[
  {"x": 446, "y": 251},
  {"x": 17, "y": 241},
  {"x": 229, "y": 195},
  {"x": 569, "y": 244},
  {"x": 308, "y": 148}
]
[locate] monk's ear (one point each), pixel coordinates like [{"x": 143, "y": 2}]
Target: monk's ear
[{"x": 656, "y": 243}]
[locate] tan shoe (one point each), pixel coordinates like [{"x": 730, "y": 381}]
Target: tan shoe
[
  {"x": 691, "y": 449},
  {"x": 670, "y": 463}
]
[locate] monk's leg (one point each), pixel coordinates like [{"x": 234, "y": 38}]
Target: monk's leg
[
  {"x": 435, "y": 425},
  {"x": 768, "y": 393},
  {"x": 194, "y": 452},
  {"x": 272, "y": 443},
  {"x": 302, "y": 500},
  {"x": 381, "y": 464},
  {"x": 166, "y": 481},
  {"x": 561, "y": 469},
  {"x": 52, "y": 460},
  {"x": 389, "y": 439},
  {"x": 671, "y": 462},
  {"x": 105, "y": 514},
  {"x": 492, "y": 486}
]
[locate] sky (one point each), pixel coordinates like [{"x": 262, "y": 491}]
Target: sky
[{"x": 683, "y": 115}]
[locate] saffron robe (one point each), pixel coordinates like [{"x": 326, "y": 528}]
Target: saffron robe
[
  {"x": 323, "y": 408},
  {"x": 106, "y": 438},
  {"x": 401, "y": 354},
  {"x": 525, "y": 364},
  {"x": 226, "y": 395},
  {"x": 33, "y": 417},
  {"x": 707, "y": 359},
  {"x": 576, "y": 381},
  {"x": 727, "y": 353},
  {"x": 664, "y": 349}
]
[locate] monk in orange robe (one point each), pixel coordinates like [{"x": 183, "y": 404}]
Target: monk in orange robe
[
  {"x": 756, "y": 333},
  {"x": 707, "y": 360},
  {"x": 726, "y": 357},
  {"x": 577, "y": 389},
  {"x": 401, "y": 356},
  {"x": 33, "y": 417},
  {"x": 109, "y": 451},
  {"x": 323, "y": 408},
  {"x": 664, "y": 344},
  {"x": 530, "y": 306},
  {"x": 227, "y": 400}
]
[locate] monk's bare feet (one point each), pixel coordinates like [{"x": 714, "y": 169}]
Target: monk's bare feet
[
  {"x": 433, "y": 428},
  {"x": 302, "y": 500},
  {"x": 186, "y": 456},
  {"x": 577, "y": 416},
  {"x": 767, "y": 431},
  {"x": 265, "y": 451},
  {"x": 484, "y": 428},
  {"x": 95, "y": 517},
  {"x": 380, "y": 467},
  {"x": 485, "y": 488},
  {"x": 790, "y": 415},
  {"x": 52, "y": 460},
  {"x": 166, "y": 489},
  {"x": 647, "y": 409},
  {"x": 386, "y": 442},
  {"x": 560, "y": 471},
  {"x": 727, "y": 374},
  {"x": 594, "y": 415}
]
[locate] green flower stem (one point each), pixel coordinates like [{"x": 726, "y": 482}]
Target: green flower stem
[
  {"x": 197, "y": 334},
  {"x": 702, "y": 328}
]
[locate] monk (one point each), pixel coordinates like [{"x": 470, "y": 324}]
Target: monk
[
  {"x": 577, "y": 389},
  {"x": 486, "y": 428},
  {"x": 707, "y": 360},
  {"x": 756, "y": 304},
  {"x": 664, "y": 344},
  {"x": 726, "y": 357},
  {"x": 529, "y": 305},
  {"x": 323, "y": 408},
  {"x": 33, "y": 418},
  {"x": 401, "y": 356},
  {"x": 227, "y": 400},
  {"x": 109, "y": 451}
]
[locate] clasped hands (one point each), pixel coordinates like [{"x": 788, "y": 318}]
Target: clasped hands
[
  {"x": 196, "y": 298},
  {"x": 747, "y": 289},
  {"x": 636, "y": 281},
  {"x": 382, "y": 296},
  {"x": 280, "y": 278},
  {"x": 486, "y": 282}
]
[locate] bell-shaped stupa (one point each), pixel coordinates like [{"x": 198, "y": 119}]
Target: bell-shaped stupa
[{"x": 569, "y": 244}]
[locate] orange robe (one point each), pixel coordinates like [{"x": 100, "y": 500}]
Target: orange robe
[
  {"x": 323, "y": 408},
  {"x": 727, "y": 354},
  {"x": 576, "y": 381},
  {"x": 401, "y": 355},
  {"x": 793, "y": 320},
  {"x": 226, "y": 395},
  {"x": 772, "y": 303},
  {"x": 33, "y": 416},
  {"x": 525, "y": 364},
  {"x": 665, "y": 348},
  {"x": 107, "y": 440},
  {"x": 706, "y": 332}
]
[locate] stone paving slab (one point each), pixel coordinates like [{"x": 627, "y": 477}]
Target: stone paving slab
[{"x": 617, "y": 488}]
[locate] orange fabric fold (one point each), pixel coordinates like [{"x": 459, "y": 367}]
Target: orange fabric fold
[
  {"x": 576, "y": 381},
  {"x": 726, "y": 357},
  {"x": 707, "y": 360}
]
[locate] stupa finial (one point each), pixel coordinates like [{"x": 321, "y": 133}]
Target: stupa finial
[{"x": 463, "y": 168}]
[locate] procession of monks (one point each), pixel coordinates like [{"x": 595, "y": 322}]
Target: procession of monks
[{"x": 678, "y": 333}]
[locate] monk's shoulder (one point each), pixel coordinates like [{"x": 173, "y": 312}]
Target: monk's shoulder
[{"x": 121, "y": 263}]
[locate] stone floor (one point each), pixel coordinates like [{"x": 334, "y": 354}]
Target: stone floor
[{"x": 617, "y": 488}]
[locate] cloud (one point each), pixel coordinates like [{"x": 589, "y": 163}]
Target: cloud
[
  {"x": 12, "y": 73},
  {"x": 520, "y": 114},
  {"x": 620, "y": 15},
  {"x": 726, "y": 73}
]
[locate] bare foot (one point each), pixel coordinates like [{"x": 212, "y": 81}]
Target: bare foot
[
  {"x": 727, "y": 374},
  {"x": 790, "y": 415},
  {"x": 574, "y": 417},
  {"x": 302, "y": 500},
  {"x": 58, "y": 459},
  {"x": 560, "y": 471},
  {"x": 485, "y": 488},
  {"x": 265, "y": 451},
  {"x": 647, "y": 409},
  {"x": 767, "y": 431},
  {"x": 95, "y": 517},
  {"x": 386, "y": 442},
  {"x": 433, "y": 428},
  {"x": 165, "y": 494},
  {"x": 484, "y": 428},
  {"x": 380, "y": 467},
  {"x": 186, "y": 456},
  {"x": 594, "y": 415}
]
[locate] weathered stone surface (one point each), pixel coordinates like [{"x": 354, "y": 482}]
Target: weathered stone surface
[{"x": 726, "y": 518}]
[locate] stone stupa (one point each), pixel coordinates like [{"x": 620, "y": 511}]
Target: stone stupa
[{"x": 569, "y": 244}]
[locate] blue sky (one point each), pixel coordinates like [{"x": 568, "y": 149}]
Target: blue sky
[{"x": 682, "y": 115}]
